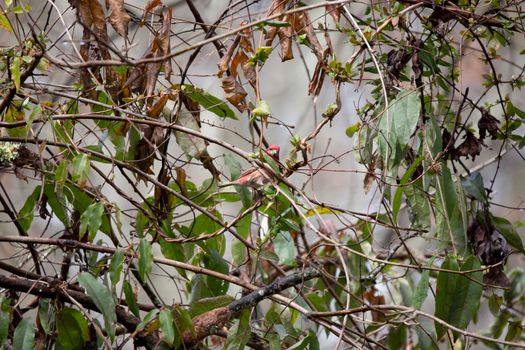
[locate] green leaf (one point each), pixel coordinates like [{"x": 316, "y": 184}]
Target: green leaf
[
  {"x": 61, "y": 175},
  {"x": 208, "y": 102},
  {"x": 495, "y": 302},
  {"x": 420, "y": 294},
  {"x": 171, "y": 250},
  {"x": 167, "y": 326},
  {"x": 150, "y": 316},
  {"x": 16, "y": 113},
  {"x": 15, "y": 71},
  {"x": 24, "y": 337},
  {"x": 396, "y": 201},
  {"x": 397, "y": 337},
  {"x": 91, "y": 219},
  {"x": 192, "y": 145},
  {"x": 130, "y": 299},
  {"x": 285, "y": 248},
  {"x": 72, "y": 329},
  {"x": 351, "y": 130},
  {"x": 81, "y": 200},
  {"x": 508, "y": 231},
  {"x": 183, "y": 323},
  {"x": 5, "y": 319},
  {"x": 426, "y": 335},
  {"x": 421, "y": 291},
  {"x": 418, "y": 206},
  {"x": 81, "y": 169},
  {"x": 115, "y": 267},
  {"x": 458, "y": 296},
  {"x": 445, "y": 289},
  {"x": 145, "y": 258},
  {"x": 262, "y": 109},
  {"x": 25, "y": 216},
  {"x": 98, "y": 149},
  {"x": 214, "y": 261},
  {"x": 57, "y": 202},
  {"x": 473, "y": 186},
  {"x": 46, "y": 317},
  {"x": 274, "y": 23},
  {"x": 261, "y": 55},
  {"x": 514, "y": 330},
  {"x": 305, "y": 343},
  {"x": 207, "y": 304},
  {"x": 240, "y": 332},
  {"x": 398, "y": 123},
  {"x": 102, "y": 298},
  {"x": 234, "y": 168},
  {"x": 453, "y": 228}
]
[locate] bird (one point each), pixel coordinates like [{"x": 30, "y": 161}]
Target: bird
[{"x": 256, "y": 176}]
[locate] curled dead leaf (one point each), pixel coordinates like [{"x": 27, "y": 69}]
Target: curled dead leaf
[
  {"x": 143, "y": 77},
  {"x": 91, "y": 15},
  {"x": 150, "y": 6},
  {"x": 334, "y": 11},
  {"x": 277, "y": 6},
  {"x": 302, "y": 25},
  {"x": 285, "y": 40},
  {"x": 118, "y": 17},
  {"x": 487, "y": 123},
  {"x": 144, "y": 157},
  {"x": 157, "y": 108},
  {"x": 235, "y": 93},
  {"x": 490, "y": 246},
  {"x": 470, "y": 147}
]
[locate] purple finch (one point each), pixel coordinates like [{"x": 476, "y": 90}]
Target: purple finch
[{"x": 256, "y": 176}]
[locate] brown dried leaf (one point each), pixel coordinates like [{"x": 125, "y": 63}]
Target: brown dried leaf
[
  {"x": 496, "y": 277},
  {"x": 92, "y": 15},
  {"x": 334, "y": 11},
  {"x": 285, "y": 40},
  {"x": 150, "y": 6},
  {"x": 248, "y": 69},
  {"x": 154, "y": 134},
  {"x": 470, "y": 147},
  {"x": 370, "y": 176},
  {"x": 235, "y": 93},
  {"x": 489, "y": 123},
  {"x": 181, "y": 180},
  {"x": 277, "y": 6},
  {"x": 118, "y": 17},
  {"x": 245, "y": 36},
  {"x": 144, "y": 157},
  {"x": 157, "y": 108},
  {"x": 164, "y": 39},
  {"x": 303, "y": 25},
  {"x": 316, "y": 83},
  {"x": 224, "y": 62},
  {"x": 143, "y": 78},
  {"x": 488, "y": 244},
  {"x": 249, "y": 72}
]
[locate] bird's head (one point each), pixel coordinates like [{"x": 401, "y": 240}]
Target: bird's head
[{"x": 273, "y": 151}]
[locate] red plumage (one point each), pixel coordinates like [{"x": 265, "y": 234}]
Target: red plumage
[{"x": 256, "y": 176}]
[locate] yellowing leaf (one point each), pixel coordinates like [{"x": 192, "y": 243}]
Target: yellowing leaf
[
  {"x": 4, "y": 22},
  {"x": 15, "y": 71},
  {"x": 318, "y": 210}
]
